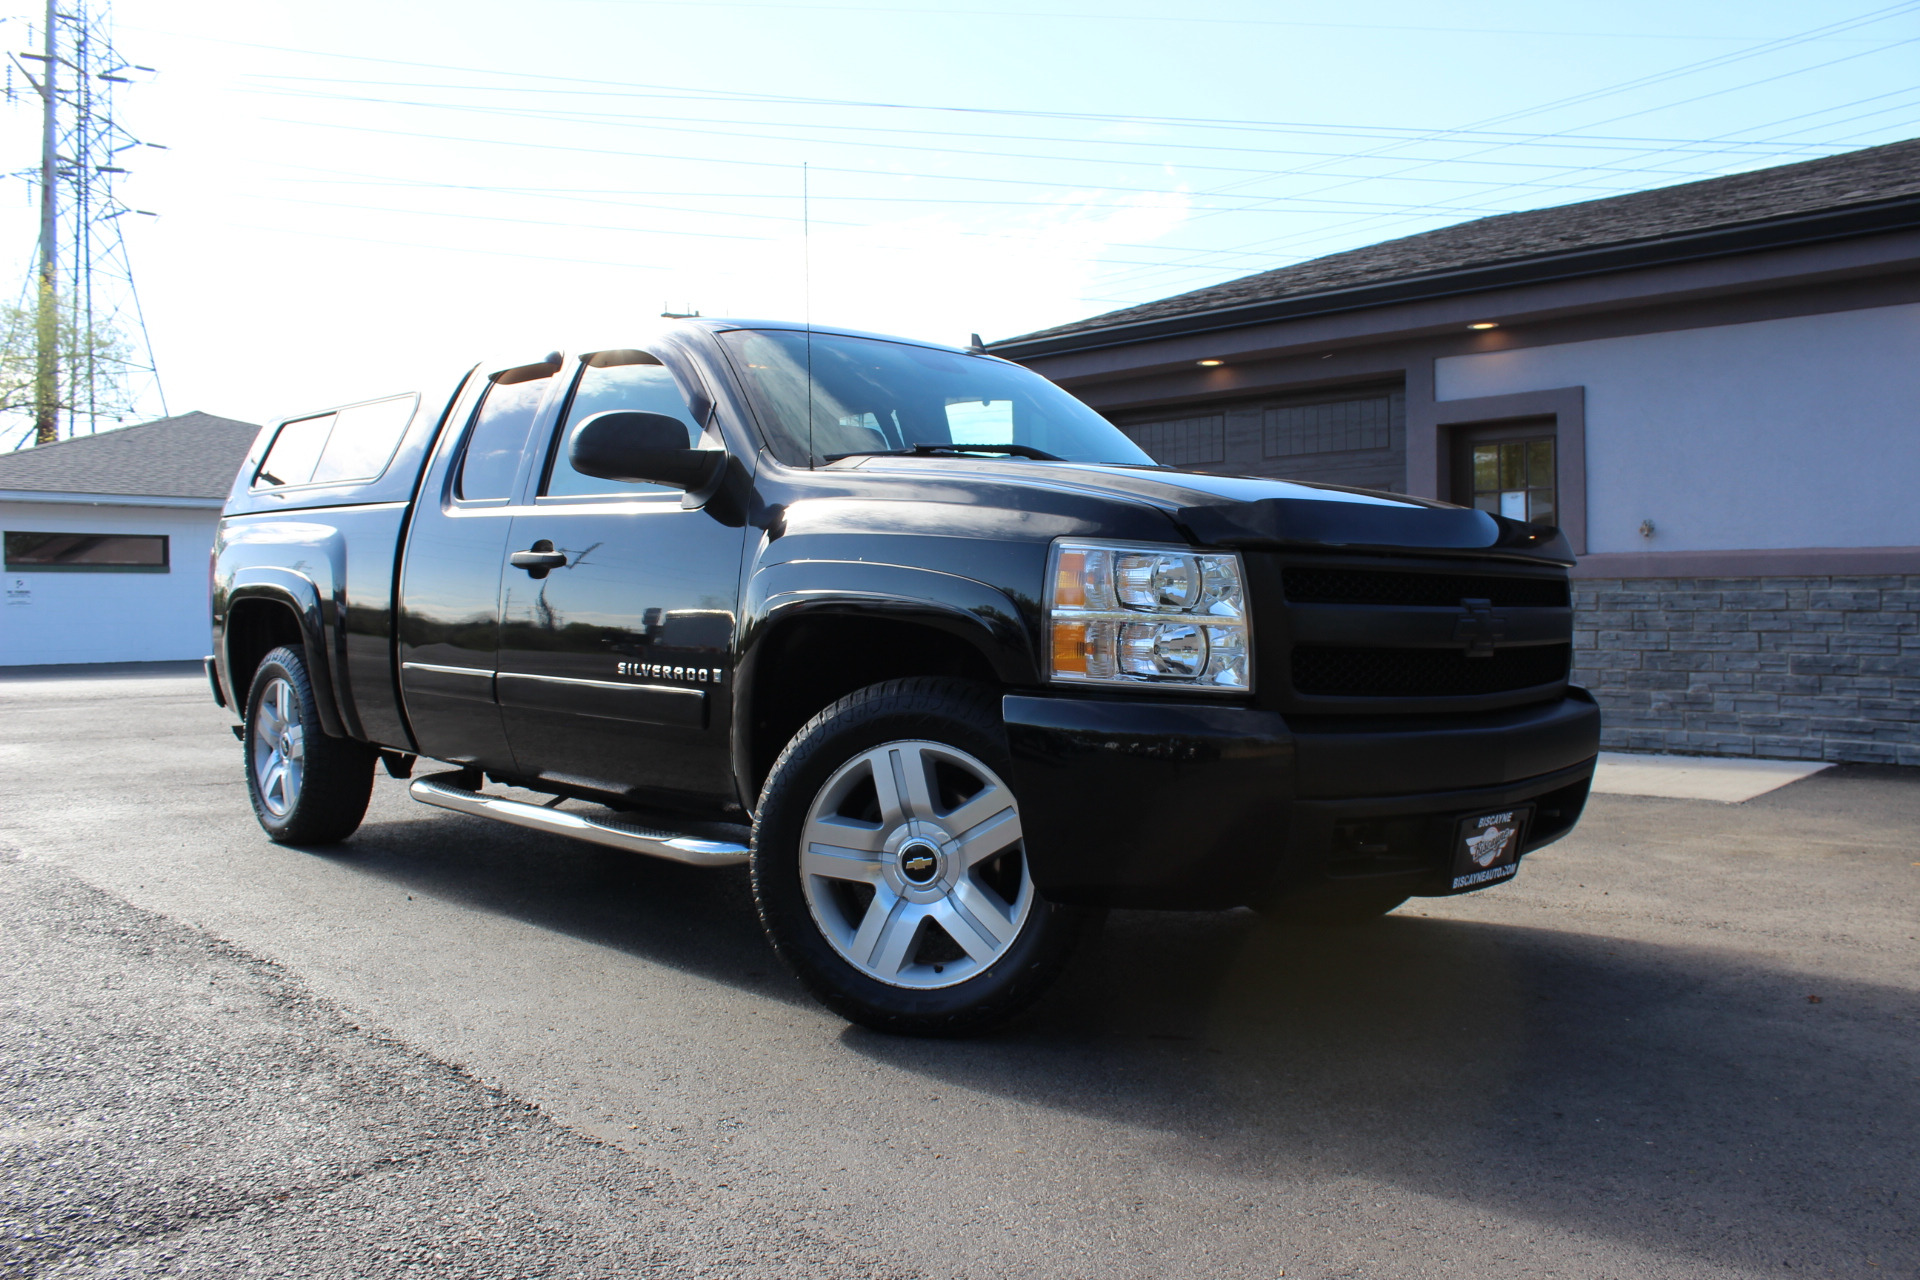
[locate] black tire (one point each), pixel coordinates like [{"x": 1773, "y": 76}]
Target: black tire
[
  {"x": 1336, "y": 904},
  {"x": 952, "y": 730},
  {"x": 322, "y": 798}
]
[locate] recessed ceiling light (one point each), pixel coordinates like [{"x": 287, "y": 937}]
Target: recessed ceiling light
[
  {"x": 1483, "y": 324},
  {"x": 1209, "y": 363}
]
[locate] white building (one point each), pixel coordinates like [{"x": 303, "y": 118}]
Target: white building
[{"x": 107, "y": 540}]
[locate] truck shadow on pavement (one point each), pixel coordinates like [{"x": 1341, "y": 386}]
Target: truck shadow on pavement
[
  {"x": 695, "y": 919},
  {"x": 1688, "y": 1100}
]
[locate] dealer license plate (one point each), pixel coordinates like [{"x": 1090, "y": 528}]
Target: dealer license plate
[{"x": 1486, "y": 848}]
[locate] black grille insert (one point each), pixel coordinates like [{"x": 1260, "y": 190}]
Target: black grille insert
[
  {"x": 1306, "y": 585},
  {"x": 1330, "y": 671}
]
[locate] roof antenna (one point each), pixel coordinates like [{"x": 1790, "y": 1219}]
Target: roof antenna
[
  {"x": 806, "y": 297},
  {"x": 978, "y": 345}
]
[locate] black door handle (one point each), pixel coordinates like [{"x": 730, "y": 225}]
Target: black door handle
[{"x": 539, "y": 559}]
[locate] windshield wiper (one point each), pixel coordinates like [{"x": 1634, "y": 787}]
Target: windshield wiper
[{"x": 949, "y": 451}]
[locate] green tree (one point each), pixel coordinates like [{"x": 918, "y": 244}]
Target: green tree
[{"x": 92, "y": 364}]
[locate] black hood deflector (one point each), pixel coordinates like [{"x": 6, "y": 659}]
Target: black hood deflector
[
  {"x": 1263, "y": 512},
  {"x": 1291, "y": 522}
]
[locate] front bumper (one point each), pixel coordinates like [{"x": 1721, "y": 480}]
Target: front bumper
[{"x": 1185, "y": 805}]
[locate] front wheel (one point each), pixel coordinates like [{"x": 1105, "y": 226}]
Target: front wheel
[
  {"x": 890, "y": 869},
  {"x": 306, "y": 788}
]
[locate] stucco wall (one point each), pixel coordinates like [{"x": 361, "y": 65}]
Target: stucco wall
[
  {"x": 1800, "y": 432},
  {"x": 52, "y": 617}
]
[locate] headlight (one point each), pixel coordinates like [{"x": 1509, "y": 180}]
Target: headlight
[{"x": 1120, "y": 613}]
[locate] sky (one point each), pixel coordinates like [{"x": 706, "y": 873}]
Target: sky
[{"x": 359, "y": 198}]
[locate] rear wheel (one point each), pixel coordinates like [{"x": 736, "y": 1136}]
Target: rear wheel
[
  {"x": 306, "y": 787},
  {"x": 889, "y": 865}
]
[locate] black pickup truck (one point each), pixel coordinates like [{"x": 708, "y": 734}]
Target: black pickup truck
[{"x": 926, "y": 642}]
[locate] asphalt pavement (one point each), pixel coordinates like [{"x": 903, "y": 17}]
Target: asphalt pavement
[{"x": 1681, "y": 1043}]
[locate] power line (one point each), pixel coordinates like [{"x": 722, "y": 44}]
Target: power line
[
  {"x": 652, "y": 124},
  {"x": 1358, "y": 205},
  {"x": 444, "y": 248},
  {"x": 526, "y": 222},
  {"x": 1305, "y": 128},
  {"x": 1182, "y": 19},
  {"x": 1398, "y": 143},
  {"x": 683, "y": 92},
  {"x": 1214, "y": 202},
  {"x": 1908, "y": 6},
  {"x": 589, "y": 196}
]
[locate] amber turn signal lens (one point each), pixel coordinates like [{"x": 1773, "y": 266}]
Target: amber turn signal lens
[
  {"x": 1069, "y": 581},
  {"x": 1070, "y": 648}
]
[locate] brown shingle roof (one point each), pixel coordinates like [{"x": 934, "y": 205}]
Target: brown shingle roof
[
  {"x": 192, "y": 455},
  {"x": 1833, "y": 182}
]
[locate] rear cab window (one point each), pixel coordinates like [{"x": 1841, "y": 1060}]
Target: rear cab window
[{"x": 348, "y": 446}]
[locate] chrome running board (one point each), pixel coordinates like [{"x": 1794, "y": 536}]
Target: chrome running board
[{"x": 631, "y": 836}]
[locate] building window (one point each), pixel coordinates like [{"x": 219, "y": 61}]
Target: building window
[
  {"x": 1335, "y": 427},
  {"x": 1511, "y": 475},
  {"x": 1182, "y": 442},
  {"x": 87, "y": 552}
]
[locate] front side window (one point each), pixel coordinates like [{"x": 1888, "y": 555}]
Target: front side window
[
  {"x": 822, "y": 395},
  {"x": 83, "y": 552},
  {"x": 611, "y": 380},
  {"x": 499, "y": 434}
]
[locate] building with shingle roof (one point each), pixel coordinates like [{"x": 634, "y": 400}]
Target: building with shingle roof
[
  {"x": 107, "y": 539},
  {"x": 1713, "y": 388},
  {"x": 1797, "y": 203},
  {"x": 191, "y": 455}
]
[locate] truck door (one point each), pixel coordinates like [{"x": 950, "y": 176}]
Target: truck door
[
  {"x": 456, "y": 549},
  {"x": 615, "y": 662}
]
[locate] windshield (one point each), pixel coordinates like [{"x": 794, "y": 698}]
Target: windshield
[{"x": 871, "y": 396}]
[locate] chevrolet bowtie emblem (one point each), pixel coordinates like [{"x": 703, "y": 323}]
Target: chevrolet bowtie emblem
[
  {"x": 1479, "y": 628},
  {"x": 919, "y": 864}
]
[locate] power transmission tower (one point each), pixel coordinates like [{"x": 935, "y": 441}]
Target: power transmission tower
[{"x": 90, "y": 361}]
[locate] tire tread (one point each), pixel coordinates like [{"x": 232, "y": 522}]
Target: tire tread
[
  {"x": 916, "y": 706},
  {"x": 337, "y": 778}
]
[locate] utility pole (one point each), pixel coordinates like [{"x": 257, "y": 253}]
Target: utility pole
[
  {"x": 74, "y": 353},
  {"x": 46, "y": 386}
]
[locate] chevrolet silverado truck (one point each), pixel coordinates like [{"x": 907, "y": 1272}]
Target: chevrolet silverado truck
[{"x": 934, "y": 649}]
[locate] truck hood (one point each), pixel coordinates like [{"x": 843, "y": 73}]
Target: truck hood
[{"x": 1255, "y": 512}]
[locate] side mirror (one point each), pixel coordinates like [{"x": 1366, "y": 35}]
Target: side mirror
[{"x": 649, "y": 448}]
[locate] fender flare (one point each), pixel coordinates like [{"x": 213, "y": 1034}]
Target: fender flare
[
  {"x": 982, "y": 616},
  {"x": 300, "y": 595}
]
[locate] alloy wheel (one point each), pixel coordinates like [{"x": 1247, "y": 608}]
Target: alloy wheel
[
  {"x": 912, "y": 864},
  {"x": 279, "y": 748}
]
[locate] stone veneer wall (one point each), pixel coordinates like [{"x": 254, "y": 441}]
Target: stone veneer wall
[{"x": 1818, "y": 668}]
